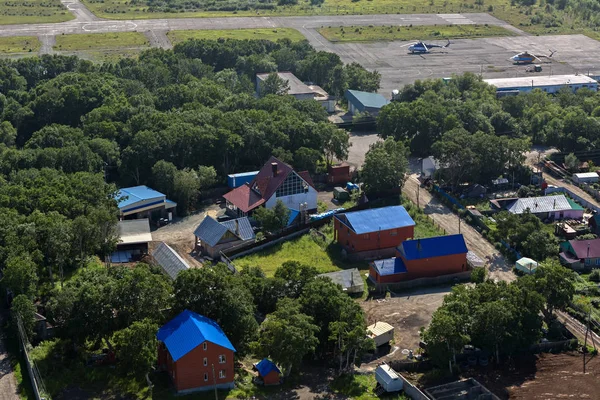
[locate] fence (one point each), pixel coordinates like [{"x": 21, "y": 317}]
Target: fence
[
  {"x": 575, "y": 197},
  {"x": 448, "y": 197},
  {"x": 37, "y": 384},
  {"x": 415, "y": 283}
]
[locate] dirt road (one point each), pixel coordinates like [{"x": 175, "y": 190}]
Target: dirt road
[
  {"x": 8, "y": 383},
  {"x": 447, "y": 220}
]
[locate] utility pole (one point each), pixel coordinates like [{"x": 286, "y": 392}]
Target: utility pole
[
  {"x": 215, "y": 381},
  {"x": 418, "y": 192},
  {"x": 458, "y": 222},
  {"x": 585, "y": 341}
]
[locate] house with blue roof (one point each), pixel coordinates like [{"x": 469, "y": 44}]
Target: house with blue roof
[
  {"x": 196, "y": 353},
  {"x": 375, "y": 232},
  {"x": 364, "y": 102},
  {"x": 422, "y": 258},
  {"x": 268, "y": 373},
  {"x": 213, "y": 236},
  {"x": 143, "y": 202}
]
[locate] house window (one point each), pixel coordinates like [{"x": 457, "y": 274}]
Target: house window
[
  {"x": 588, "y": 261},
  {"x": 222, "y": 359},
  {"x": 205, "y": 377},
  {"x": 367, "y": 236},
  {"x": 205, "y": 361},
  {"x": 393, "y": 232},
  {"x": 293, "y": 184},
  {"x": 222, "y": 374},
  {"x": 204, "y": 346},
  {"x": 597, "y": 261}
]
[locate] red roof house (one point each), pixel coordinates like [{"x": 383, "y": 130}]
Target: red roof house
[
  {"x": 580, "y": 254},
  {"x": 422, "y": 258},
  {"x": 276, "y": 180},
  {"x": 196, "y": 353}
]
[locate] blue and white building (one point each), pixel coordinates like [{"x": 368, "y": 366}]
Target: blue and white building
[{"x": 142, "y": 202}]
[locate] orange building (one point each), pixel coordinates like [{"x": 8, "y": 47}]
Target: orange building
[
  {"x": 422, "y": 258},
  {"x": 373, "y": 229},
  {"x": 196, "y": 353},
  {"x": 268, "y": 372}
]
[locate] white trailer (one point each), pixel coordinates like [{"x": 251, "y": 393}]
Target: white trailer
[{"x": 388, "y": 379}]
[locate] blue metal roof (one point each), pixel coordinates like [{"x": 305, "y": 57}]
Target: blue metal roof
[
  {"x": 210, "y": 231},
  {"x": 266, "y": 366},
  {"x": 187, "y": 331},
  {"x": 390, "y": 266},
  {"x": 438, "y": 246},
  {"x": 243, "y": 174},
  {"x": 135, "y": 194},
  {"x": 362, "y": 100},
  {"x": 244, "y": 229},
  {"x": 377, "y": 219}
]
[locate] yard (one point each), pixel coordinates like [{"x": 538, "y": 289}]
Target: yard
[
  {"x": 240, "y": 34},
  {"x": 377, "y": 33},
  {"x": 27, "y": 12}
]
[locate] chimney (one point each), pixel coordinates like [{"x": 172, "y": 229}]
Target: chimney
[
  {"x": 419, "y": 245},
  {"x": 274, "y": 168},
  {"x": 237, "y": 227}
]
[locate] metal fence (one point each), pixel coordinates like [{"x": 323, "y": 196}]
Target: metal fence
[{"x": 37, "y": 383}]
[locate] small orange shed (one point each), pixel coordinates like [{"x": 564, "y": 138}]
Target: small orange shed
[{"x": 268, "y": 372}]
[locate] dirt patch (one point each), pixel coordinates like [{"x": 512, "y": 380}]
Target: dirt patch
[
  {"x": 545, "y": 376},
  {"x": 407, "y": 313},
  {"x": 360, "y": 145}
]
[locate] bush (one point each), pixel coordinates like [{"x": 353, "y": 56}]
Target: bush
[
  {"x": 595, "y": 276},
  {"x": 478, "y": 275}
]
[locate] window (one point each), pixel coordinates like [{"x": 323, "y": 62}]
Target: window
[
  {"x": 222, "y": 359},
  {"x": 205, "y": 376},
  {"x": 293, "y": 184},
  {"x": 367, "y": 236},
  {"x": 222, "y": 374},
  {"x": 394, "y": 232},
  {"x": 205, "y": 361},
  {"x": 204, "y": 346}
]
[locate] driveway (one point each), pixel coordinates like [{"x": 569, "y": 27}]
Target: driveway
[{"x": 498, "y": 266}]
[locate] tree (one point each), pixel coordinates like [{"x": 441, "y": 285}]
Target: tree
[
  {"x": 23, "y": 310},
  {"x": 135, "y": 347},
  {"x": 273, "y": 219},
  {"x": 287, "y": 335},
  {"x": 163, "y": 176},
  {"x": 335, "y": 143},
  {"x": 273, "y": 84},
  {"x": 296, "y": 276},
  {"x": 384, "y": 167},
  {"x": 207, "y": 176},
  {"x": 571, "y": 162},
  {"x": 185, "y": 188},
  {"x": 478, "y": 275},
  {"x": 20, "y": 275},
  {"x": 444, "y": 337},
  {"x": 349, "y": 336}
]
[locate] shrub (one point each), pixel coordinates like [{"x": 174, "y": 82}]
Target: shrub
[{"x": 595, "y": 276}]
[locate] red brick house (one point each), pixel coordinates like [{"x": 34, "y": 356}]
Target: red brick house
[
  {"x": 373, "y": 229},
  {"x": 422, "y": 258},
  {"x": 268, "y": 372},
  {"x": 196, "y": 353}
]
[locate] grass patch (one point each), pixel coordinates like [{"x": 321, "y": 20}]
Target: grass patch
[
  {"x": 264, "y": 34},
  {"x": 19, "y": 44},
  {"x": 377, "y": 33},
  {"x": 92, "y": 41},
  {"x": 360, "y": 387},
  {"x": 29, "y": 12}
]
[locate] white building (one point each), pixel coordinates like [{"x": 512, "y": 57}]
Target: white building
[
  {"x": 548, "y": 84},
  {"x": 299, "y": 89},
  {"x": 586, "y": 177},
  {"x": 381, "y": 332}
]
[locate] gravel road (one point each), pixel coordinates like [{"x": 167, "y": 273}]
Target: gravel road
[{"x": 447, "y": 220}]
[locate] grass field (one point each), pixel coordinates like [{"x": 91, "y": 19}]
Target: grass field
[
  {"x": 266, "y": 34},
  {"x": 19, "y": 44},
  {"x": 28, "y": 12},
  {"x": 377, "y": 33},
  {"x": 97, "y": 41}
]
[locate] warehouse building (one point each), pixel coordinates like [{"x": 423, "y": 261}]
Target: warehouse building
[
  {"x": 143, "y": 202},
  {"x": 548, "y": 84}
]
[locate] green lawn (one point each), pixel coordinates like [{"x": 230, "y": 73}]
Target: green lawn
[
  {"x": 360, "y": 387},
  {"x": 19, "y": 44},
  {"x": 97, "y": 41},
  {"x": 377, "y": 33},
  {"x": 30, "y": 12},
  {"x": 266, "y": 34}
]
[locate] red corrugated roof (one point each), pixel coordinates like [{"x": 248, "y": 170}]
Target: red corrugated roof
[
  {"x": 306, "y": 176},
  {"x": 244, "y": 198}
]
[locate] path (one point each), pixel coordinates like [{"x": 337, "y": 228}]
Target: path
[
  {"x": 8, "y": 383},
  {"x": 447, "y": 220}
]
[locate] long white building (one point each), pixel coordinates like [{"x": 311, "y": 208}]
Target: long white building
[{"x": 549, "y": 84}]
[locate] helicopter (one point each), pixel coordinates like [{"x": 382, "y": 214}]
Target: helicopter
[
  {"x": 420, "y": 47},
  {"x": 526, "y": 57}
]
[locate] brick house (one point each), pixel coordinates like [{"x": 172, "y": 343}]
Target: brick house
[
  {"x": 268, "y": 372},
  {"x": 422, "y": 258},
  {"x": 374, "y": 230},
  {"x": 196, "y": 353}
]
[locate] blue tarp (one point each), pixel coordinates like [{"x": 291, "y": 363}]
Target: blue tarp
[
  {"x": 266, "y": 366},
  {"x": 317, "y": 217}
]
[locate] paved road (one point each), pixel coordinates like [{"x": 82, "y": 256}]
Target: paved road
[{"x": 444, "y": 217}]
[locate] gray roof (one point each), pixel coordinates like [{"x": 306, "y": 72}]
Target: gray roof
[
  {"x": 295, "y": 84},
  {"x": 347, "y": 278},
  {"x": 542, "y": 204},
  {"x": 169, "y": 260},
  {"x": 210, "y": 231},
  {"x": 535, "y": 81},
  {"x": 134, "y": 231}
]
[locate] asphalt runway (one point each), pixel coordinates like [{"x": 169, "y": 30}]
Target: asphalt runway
[{"x": 488, "y": 56}]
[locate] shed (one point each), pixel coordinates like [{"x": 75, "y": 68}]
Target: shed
[
  {"x": 134, "y": 236},
  {"x": 586, "y": 177},
  {"x": 268, "y": 372},
  {"x": 365, "y": 102},
  {"x": 381, "y": 333},
  {"x": 337, "y": 174},
  {"x": 340, "y": 194},
  {"x": 526, "y": 265},
  {"x": 169, "y": 260},
  {"x": 349, "y": 279},
  {"x": 389, "y": 379}
]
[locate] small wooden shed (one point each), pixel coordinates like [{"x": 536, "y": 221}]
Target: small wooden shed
[
  {"x": 388, "y": 379},
  {"x": 268, "y": 372},
  {"x": 381, "y": 333}
]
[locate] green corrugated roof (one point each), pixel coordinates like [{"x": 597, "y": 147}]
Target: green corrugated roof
[{"x": 574, "y": 205}]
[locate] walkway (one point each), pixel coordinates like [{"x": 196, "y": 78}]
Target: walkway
[{"x": 8, "y": 383}]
